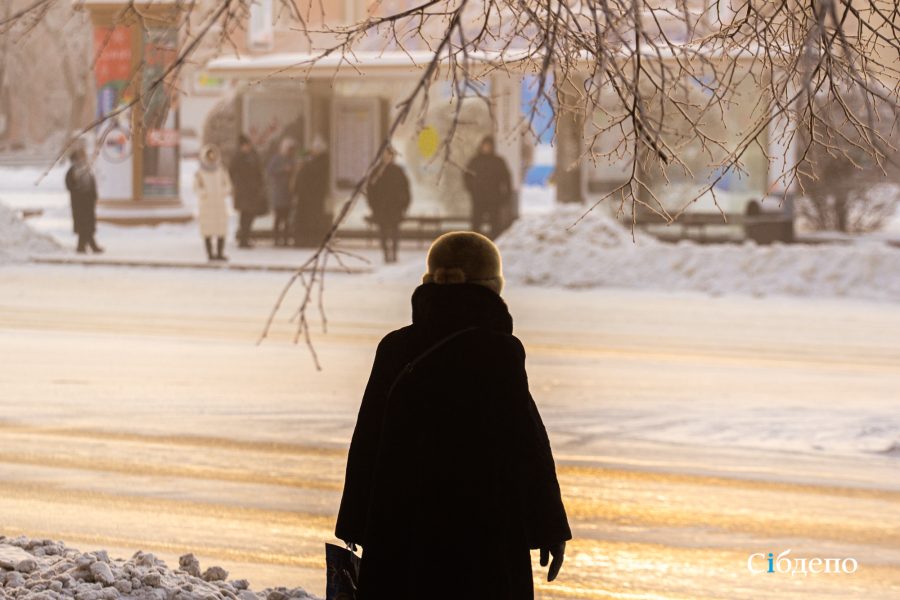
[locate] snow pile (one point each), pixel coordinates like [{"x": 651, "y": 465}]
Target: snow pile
[
  {"x": 554, "y": 232},
  {"x": 18, "y": 240},
  {"x": 599, "y": 252},
  {"x": 48, "y": 570}
]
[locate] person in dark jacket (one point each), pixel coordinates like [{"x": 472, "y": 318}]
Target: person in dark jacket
[
  {"x": 311, "y": 186},
  {"x": 389, "y": 198},
  {"x": 245, "y": 170},
  {"x": 279, "y": 170},
  {"x": 83, "y": 196},
  {"x": 489, "y": 184},
  {"x": 450, "y": 479}
]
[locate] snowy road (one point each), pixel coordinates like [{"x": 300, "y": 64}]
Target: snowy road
[{"x": 136, "y": 412}]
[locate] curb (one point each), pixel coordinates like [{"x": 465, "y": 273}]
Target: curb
[{"x": 150, "y": 264}]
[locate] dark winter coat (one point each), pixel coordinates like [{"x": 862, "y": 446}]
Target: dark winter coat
[
  {"x": 247, "y": 182},
  {"x": 388, "y": 195},
  {"x": 83, "y": 196},
  {"x": 311, "y": 186},
  {"x": 488, "y": 181},
  {"x": 450, "y": 479},
  {"x": 279, "y": 172}
]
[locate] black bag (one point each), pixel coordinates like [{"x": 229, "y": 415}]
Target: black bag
[{"x": 342, "y": 572}]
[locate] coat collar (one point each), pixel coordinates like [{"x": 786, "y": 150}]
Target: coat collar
[{"x": 447, "y": 307}]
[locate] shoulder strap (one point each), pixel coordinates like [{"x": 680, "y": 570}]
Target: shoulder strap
[{"x": 412, "y": 364}]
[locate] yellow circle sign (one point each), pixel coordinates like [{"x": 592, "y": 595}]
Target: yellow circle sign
[{"x": 428, "y": 142}]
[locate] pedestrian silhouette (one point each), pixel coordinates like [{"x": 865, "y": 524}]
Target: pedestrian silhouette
[
  {"x": 278, "y": 184},
  {"x": 82, "y": 188},
  {"x": 212, "y": 186},
  {"x": 246, "y": 172},
  {"x": 489, "y": 184},
  {"x": 311, "y": 186},
  {"x": 389, "y": 198},
  {"x": 450, "y": 478}
]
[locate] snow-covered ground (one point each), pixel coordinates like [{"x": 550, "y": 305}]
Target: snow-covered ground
[
  {"x": 47, "y": 569},
  {"x": 19, "y": 241},
  {"x": 137, "y": 413},
  {"x": 550, "y": 250},
  {"x": 690, "y": 431},
  {"x": 545, "y": 247},
  {"x": 28, "y": 189}
]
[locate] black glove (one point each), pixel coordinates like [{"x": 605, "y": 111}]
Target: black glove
[{"x": 558, "y": 551}]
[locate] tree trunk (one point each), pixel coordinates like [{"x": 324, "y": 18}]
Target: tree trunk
[
  {"x": 569, "y": 146},
  {"x": 840, "y": 212}
]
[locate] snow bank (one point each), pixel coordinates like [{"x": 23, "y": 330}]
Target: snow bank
[
  {"x": 48, "y": 570},
  {"x": 599, "y": 252},
  {"x": 34, "y": 178},
  {"x": 18, "y": 240}
]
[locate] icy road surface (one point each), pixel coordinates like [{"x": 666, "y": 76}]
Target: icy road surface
[{"x": 691, "y": 432}]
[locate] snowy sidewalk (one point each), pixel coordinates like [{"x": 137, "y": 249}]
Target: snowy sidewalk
[
  {"x": 170, "y": 245},
  {"x": 541, "y": 249},
  {"x": 106, "y": 261},
  {"x": 166, "y": 245}
]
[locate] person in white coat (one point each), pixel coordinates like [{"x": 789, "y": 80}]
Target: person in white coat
[{"x": 213, "y": 187}]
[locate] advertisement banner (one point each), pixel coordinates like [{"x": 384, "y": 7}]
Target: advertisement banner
[
  {"x": 112, "y": 69},
  {"x": 160, "y": 157},
  {"x": 356, "y": 135},
  {"x": 112, "y": 74}
]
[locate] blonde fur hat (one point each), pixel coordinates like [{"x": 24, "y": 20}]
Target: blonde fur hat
[{"x": 465, "y": 257}]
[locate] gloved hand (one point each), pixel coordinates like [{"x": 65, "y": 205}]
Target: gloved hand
[{"x": 558, "y": 551}]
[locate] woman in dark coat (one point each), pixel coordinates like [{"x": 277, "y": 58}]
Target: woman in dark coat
[
  {"x": 247, "y": 181},
  {"x": 389, "y": 198},
  {"x": 450, "y": 478},
  {"x": 83, "y": 195},
  {"x": 311, "y": 186},
  {"x": 489, "y": 184}
]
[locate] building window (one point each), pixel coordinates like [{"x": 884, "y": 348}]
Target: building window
[{"x": 261, "y": 35}]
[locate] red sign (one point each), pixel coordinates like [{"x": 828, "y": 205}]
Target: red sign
[
  {"x": 112, "y": 66},
  {"x": 162, "y": 138}
]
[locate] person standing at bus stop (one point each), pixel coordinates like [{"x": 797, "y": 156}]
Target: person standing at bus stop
[
  {"x": 489, "y": 184},
  {"x": 311, "y": 185},
  {"x": 247, "y": 180},
  {"x": 82, "y": 188},
  {"x": 212, "y": 186},
  {"x": 389, "y": 198},
  {"x": 279, "y": 171}
]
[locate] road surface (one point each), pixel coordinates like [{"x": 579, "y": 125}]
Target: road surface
[{"x": 137, "y": 412}]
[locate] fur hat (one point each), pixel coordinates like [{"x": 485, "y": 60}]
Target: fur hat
[
  {"x": 209, "y": 155},
  {"x": 465, "y": 257}
]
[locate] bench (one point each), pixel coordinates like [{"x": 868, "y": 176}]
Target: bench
[{"x": 420, "y": 228}]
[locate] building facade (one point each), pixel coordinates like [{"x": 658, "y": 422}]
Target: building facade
[{"x": 270, "y": 91}]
